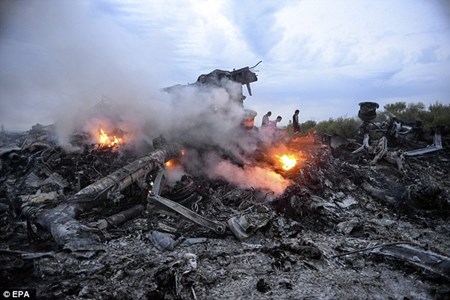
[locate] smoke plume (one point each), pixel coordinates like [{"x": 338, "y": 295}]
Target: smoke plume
[
  {"x": 250, "y": 177},
  {"x": 73, "y": 64}
]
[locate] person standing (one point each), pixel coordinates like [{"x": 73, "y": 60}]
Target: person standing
[
  {"x": 265, "y": 119},
  {"x": 295, "y": 123}
]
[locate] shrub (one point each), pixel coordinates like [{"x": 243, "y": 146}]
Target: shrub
[
  {"x": 346, "y": 127},
  {"x": 436, "y": 115},
  {"x": 308, "y": 125}
]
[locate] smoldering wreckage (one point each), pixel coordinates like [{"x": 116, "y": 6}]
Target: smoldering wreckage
[{"x": 335, "y": 219}]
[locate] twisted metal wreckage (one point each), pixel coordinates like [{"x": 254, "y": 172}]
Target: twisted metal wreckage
[
  {"x": 61, "y": 221},
  {"x": 148, "y": 172},
  {"x": 390, "y": 131}
]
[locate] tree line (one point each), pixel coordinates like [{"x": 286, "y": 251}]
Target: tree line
[{"x": 436, "y": 114}]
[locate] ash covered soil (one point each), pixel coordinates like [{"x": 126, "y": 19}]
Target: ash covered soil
[{"x": 343, "y": 229}]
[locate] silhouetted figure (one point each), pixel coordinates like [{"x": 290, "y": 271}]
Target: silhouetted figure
[
  {"x": 295, "y": 123},
  {"x": 265, "y": 119},
  {"x": 268, "y": 131},
  {"x": 273, "y": 124}
]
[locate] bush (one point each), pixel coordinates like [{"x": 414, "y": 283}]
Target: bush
[
  {"x": 346, "y": 127},
  {"x": 308, "y": 126},
  {"x": 436, "y": 115}
]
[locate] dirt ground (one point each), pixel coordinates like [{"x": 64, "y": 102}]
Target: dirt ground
[{"x": 328, "y": 236}]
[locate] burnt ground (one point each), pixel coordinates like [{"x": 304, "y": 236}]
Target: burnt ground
[{"x": 327, "y": 237}]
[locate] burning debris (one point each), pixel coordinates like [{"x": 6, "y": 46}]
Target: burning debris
[
  {"x": 104, "y": 140},
  {"x": 288, "y": 161},
  {"x": 183, "y": 219}
]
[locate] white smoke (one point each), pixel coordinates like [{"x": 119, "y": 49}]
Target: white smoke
[
  {"x": 59, "y": 59},
  {"x": 249, "y": 176}
]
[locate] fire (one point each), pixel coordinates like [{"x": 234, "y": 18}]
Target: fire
[
  {"x": 169, "y": 164},
  {"x": 106, "y": 141},
  {"x": 288, "y": 161}
]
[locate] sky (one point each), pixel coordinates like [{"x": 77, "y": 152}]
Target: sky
[{"x": 320, "y": 56}]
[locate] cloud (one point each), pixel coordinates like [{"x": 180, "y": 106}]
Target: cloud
[
  {"x": 256, "y": 23},
  {"x": 204, "y": 38},
  {"x": 358, "y": 40}
]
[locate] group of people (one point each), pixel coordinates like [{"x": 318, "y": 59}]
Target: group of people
[
  {"x": 269, "y": 132},
  {"x": 266, "y": 122}
]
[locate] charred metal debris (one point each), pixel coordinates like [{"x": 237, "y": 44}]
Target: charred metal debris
[{"x": 364, "y": 220}]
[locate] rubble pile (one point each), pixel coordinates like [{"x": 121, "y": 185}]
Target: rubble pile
[{"x": 344, "y": 228}]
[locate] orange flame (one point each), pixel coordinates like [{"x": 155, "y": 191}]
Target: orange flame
[
  {"x": 105, "y": 141},
  {"x": 288, "y": 161},
  {"x": 169, "y": 163}
]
